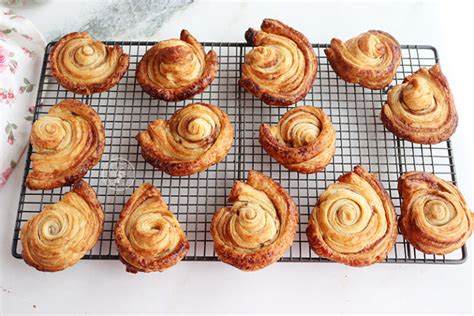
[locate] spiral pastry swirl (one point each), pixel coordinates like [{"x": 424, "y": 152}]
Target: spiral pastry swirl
[
  {"x": 370, "y": 59},
  {"x": 195, "y": 138},
  {"x": 435, "y": 218},
  {"x": 258, "y": 228},
  {"x": 86, "y": 66},
  {"x": 67, "y": 143},
  {"x": 421, "y": 109},
  {"x": 177, "y": 69},
  {"x": 354, "y": 220},
  {"x": 281, "y": 69},
  {"x": 303, "y": 140},
  {"x": 60, "y": 235},
  {"x": 148, "y": 235}
]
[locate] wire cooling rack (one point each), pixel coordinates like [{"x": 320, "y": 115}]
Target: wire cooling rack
[{"x": 361, "y": 139}]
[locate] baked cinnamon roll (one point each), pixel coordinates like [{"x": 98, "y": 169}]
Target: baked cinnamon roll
[
  {"x": 195, "y": 138},
  {"x": 421, "y": 109},
  {"x": 303, "y": 140},
  {"x": 86, "y": 66},
  {"x": 281, "y": 69},
  {"x": 176, "y": 69},
  {"x": 370, "y": 59},
  {"x": 148, "y": 235},
  {"x": 66, "y": 143},
  {"x": 435, "y": 218},
  {"x": 354, "y": 221},
  {"x": 258, "y": 228},
  {"x": 61, "y": 234}
]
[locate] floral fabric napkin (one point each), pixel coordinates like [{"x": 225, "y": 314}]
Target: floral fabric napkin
[{"x": 21, "y": 56}]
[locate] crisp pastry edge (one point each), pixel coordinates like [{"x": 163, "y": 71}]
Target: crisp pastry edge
[
  {"x": 86, "y": 166},
  {"x": 185, "y": 168},
  {"x": 81, "y": 88},
  {"x": 270, "y": 97},
  {"x": 262, "y": 258},
  {"x": 356, "y": 75},
  {"x": 184, "y": 92},
  {"x": 402, "y": 132},
  {"x": 406, "y": 230},
  {"x": 84, "y": 190},
  {"x": 321, "y": 248},
  {"x": 270, "y": 145},
  {"x": 146, "y": 265}
]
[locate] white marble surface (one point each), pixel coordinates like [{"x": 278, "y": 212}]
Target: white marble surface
[
  {"x": 122, "y": 20},
  {"x": 103, "y": 286}
]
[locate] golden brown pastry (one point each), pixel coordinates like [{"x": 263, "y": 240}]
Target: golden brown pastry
[
  {"x": 281, "y": 69},
  {"x": 176, "y": 69},
  {"x": 435, "y": 217},
  {"x": 258, "y": 228},
  {"x": 370, "y": 59},
  {"x": 147, "y": 234},
  {"x": 195, "y": 138},
  {"x": 354, "y": 221},
  {"x": 421, "y": 109},
  {"x": 86, "y": 66},
  {"x": 61, "y": 234},
  {"x": 67, "y": 143},
  {"x": 303, "y": 140}
]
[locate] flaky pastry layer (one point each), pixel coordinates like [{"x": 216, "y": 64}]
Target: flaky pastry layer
[
  {"x": 258, "y": 228},
  {"x": 148, "y": 235},
  {"x": 66, "y": 143},
  {"x": 61, "y": 234},
  {"x": 435, "y": 218},
  {"x": 354, "y": 221},
  {"x": 86, "y": 66},
  {"x": 281, "y": 69},
  {"x": 303, "y": 140},
  {"x": 196, "y": 137}
]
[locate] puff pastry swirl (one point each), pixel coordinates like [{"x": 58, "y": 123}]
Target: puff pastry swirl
[
  {"x": 86, "y": 66},
  {"x": 370, "y": 59},
  {"x": 421, "y": 109},
  {"x": 281, "y": 69},
  {"x": 60, "y": 235},
  {"x": 177, "y": 69},
  {"x": 258, "y": 228},
  {"x": 435, "y": 218},
  {"x": 148, "y": 235},
  {"x": 303, "y": 140},
  {"x": 67, "y": 143},
  {"x": 354, "y": 220},
  {"x": 193, "y": 139}
]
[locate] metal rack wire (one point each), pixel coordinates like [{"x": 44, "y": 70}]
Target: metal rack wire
[{"x": 354, "y": 111}]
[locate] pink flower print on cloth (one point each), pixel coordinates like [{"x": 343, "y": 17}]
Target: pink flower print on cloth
[
  {"x": 7, "y": 97},
  {"x": 7, "y": 60},
  {"x": 21, "y": 57}
]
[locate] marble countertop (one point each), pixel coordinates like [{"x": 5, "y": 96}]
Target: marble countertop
[{"x": 103, "y": 286}]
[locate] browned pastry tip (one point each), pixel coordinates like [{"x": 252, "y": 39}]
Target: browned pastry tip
[
  {"x": 176, "y": 69},
  {"x": 196, "y": 137},
  {"x": 435, "y": 218},
  {"x": 259, "y": 227},
  {"x": 303, "y": 140},
  {"x": 281, "y": 69},
  {"x": 61, "y": 234},
  {"x": 354, "y": 221},
  {"x": 66, "y": 143},
  {"x": 370, "y": 59},
  {"x": 85, "y": 66},
  {"x": 148, "y": 235},
  {"x": 421, "y": 109}
]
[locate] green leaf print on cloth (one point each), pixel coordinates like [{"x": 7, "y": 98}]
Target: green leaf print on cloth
[
  {"x": 28, "y": 87},
  {"x": 9, "y": 130}
]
